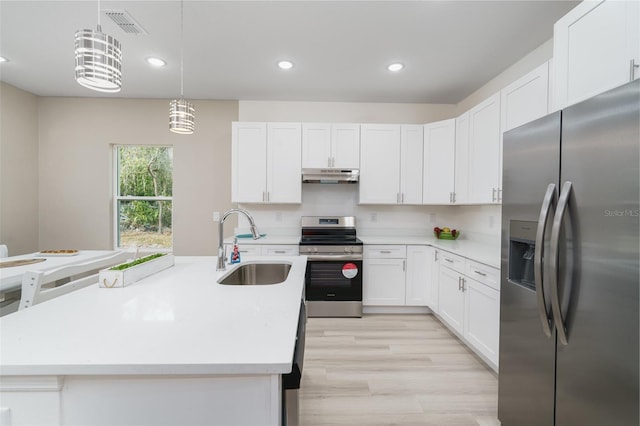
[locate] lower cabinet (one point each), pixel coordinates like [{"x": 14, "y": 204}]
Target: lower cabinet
[
  {"x": 384, "y": 276},
  {"x": 482, "y": 317},
  {"x": 396, "y": 275},
  {"x": 432, "y": 281},
  {"x": 263, "y": 249},
  {"x": 470, "y": 306},
  {"x": 451, "y": 298}
]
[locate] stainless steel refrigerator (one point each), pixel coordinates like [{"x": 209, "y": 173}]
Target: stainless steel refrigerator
[{"x": 569, "y": 322}]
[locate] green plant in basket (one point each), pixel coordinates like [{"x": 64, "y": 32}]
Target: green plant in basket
[{"x": 446, "y": 233}]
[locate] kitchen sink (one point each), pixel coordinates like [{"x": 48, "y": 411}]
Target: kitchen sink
[{"x": 257, "y": 274}]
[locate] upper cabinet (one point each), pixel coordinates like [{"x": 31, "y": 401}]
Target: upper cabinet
[
  {"x": 461, "y": 169},
  {"x": 526, "y": 99},
  {"x": 439, "y": 160},
  {"x": 596, "y": 47},
  {"x": 330, "y": 145},
  {"x": 391, "y": 164},
  {"x": 266, "y": 163},
  {"x": 485, "y": 153}
]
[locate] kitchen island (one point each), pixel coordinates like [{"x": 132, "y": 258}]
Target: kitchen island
[{"x": 175, "y": 348}]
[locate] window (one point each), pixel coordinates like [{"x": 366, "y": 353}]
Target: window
[{"x": 143, "y": 196}]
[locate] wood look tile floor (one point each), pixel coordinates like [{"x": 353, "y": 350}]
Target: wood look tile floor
[{"x": 404, "y": 370}]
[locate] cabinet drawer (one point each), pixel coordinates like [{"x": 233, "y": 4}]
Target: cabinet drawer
[
  {"x": 484, "y": 274},
  {"x": 385, "y": 252},
  {"x": 280, "y": 250},
  {"x": 453, "y": 261},
  {"x": 248, "y": 249}
]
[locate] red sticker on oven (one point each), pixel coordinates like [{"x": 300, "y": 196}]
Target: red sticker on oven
[{"x": 349, "y": 270}]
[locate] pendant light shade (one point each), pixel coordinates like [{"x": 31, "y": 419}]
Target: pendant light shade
[
  {"x": 98, "y": 61},
  {"x": 182, "y": 114},
  {"x": 181, "y": 117}
]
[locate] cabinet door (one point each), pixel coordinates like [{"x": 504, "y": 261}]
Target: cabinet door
[
  {"x": 482, "y": 318},
  {"x": 316, "y": 145},
  {"x": 345, "y": 146},
  {"x": 439, "y": 160},
  {"x": 461, "y": 167},
  {"x": 411, "y": 148},
  {"x": 383, "y": 282},
  {"x": 418, "y": 275},
  {"x": 451, "y": 298},
  {"x": 379, "y": 164},
  {"x": 433, "y": 280},
  {"x": 484, "y": 151},
  {"x": 284, "y": 163},
  {"x": 593, "y": 46},
  {"x": 248, "y": 162},
  {"x": 525, "y": 99}
]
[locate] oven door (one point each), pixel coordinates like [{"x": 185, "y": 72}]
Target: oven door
[{"x": 334, "y": 278}]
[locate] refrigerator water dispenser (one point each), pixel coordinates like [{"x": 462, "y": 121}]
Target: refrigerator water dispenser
[{"x": 522, "y": 248}]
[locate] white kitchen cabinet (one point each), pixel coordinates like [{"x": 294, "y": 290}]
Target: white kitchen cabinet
[
  {"x": 451, "y": 298},
  {"x": 418, "y": 276},
  {"x": 411, "y": 151},
  {"x": 379, "y": 164},
  {"x": 526, "y": 99},
  {"x": 461, "y": 168},
  {"x": 432, "y": 280},
  {"x": 249, "y": 162},
  {"x": 596, "y": 47},
  {"x": 384, "y": 278},
  {"x": 263, "y": 250},
  {"x": 391, "y": 164},
  {"x": 266, "y": 163},
  {"x": 469, "y": 302},
  {"x": 485, "y": 162},
  {"x": 482, "y": 317},
  {"x": 439, "y": 161},
  {"x": 326, "y": 145}
]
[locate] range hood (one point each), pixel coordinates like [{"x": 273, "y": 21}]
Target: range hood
[{"x": 330, "y": 175}]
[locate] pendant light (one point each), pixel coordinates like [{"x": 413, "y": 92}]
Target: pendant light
[
  {"x": 98, "y": 60},
  {"x": 181, "y": 111}
]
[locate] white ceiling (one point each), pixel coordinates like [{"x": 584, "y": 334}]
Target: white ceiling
[{"x": 340, "y": 48}]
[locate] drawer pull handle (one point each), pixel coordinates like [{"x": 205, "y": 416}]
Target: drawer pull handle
[
  {"x": 448, "y": 260},
  {"x": 480, "y": 273},
  {"x": 385, "y": 251},
  {"x": 279, "y": 251}
]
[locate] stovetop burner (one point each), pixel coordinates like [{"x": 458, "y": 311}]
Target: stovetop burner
[{"x": 329, "y": 230}]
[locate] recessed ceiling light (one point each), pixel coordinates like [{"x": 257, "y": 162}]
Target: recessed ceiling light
[
  {"x": 395, "y": 67},
  {"x": 3, "y": 59},
  {"x": 156, "y": 62},
  {"x": 285, "y": 65}
]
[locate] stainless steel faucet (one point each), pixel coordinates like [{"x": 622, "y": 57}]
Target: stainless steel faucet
[{"x": 254, "y": 232}]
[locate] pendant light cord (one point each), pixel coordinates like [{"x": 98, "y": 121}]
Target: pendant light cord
[{"x": 181, "y": 49}]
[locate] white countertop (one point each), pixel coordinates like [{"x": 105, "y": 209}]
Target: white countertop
[
  {"x": 178, "y": 321},
  {"x": 11, "y": 277},
  {"x": 485, "y": 251}
]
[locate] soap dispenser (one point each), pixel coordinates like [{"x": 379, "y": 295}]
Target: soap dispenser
[{"x": 235, "y": 254}]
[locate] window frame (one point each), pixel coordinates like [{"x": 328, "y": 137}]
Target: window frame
[{"x": 117, "y": 198}]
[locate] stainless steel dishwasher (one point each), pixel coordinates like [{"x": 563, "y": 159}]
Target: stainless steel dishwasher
[{"x": 291, "y": 381}]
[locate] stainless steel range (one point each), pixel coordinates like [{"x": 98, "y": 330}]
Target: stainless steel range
[{"x": 333, "y": 283}]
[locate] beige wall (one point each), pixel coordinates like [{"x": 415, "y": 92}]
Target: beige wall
[
  {"x": 18, "y": 170},
  {"x": 76, "y": 185},
  {"x": 536, "y": 57},
  {"x": 344, "y": 112}
]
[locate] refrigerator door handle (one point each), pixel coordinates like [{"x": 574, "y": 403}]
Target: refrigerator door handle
[
  {"x": 563, "y": 203},
  {"x": 547, "y": 209}
]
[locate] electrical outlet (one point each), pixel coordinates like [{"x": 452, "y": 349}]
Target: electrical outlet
[
  {"x": 216, "y": 216},
  {"x": 278, "y": 216},
  {"x": 432, "y": 217},
  {"x": 374, "y": 217},
  {"x": 492, "y": 220}
]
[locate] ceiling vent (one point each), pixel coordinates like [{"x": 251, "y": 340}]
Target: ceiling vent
[{"x": 125, "y": 21}]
